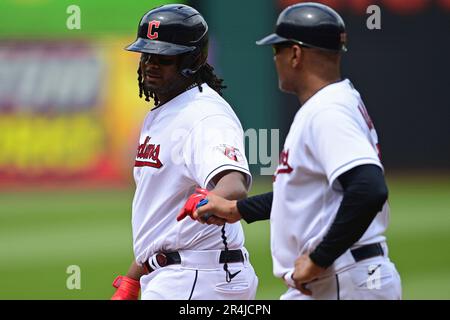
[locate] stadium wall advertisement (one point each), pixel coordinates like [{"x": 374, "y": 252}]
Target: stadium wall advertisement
[
  {"x": 69, "y": 107},
  {"x": 68, "y": 110}
]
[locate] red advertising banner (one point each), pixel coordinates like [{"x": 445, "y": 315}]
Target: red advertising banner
[{"x": 402, "y": 7}]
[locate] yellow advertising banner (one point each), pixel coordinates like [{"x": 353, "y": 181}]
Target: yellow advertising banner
[{"x": 69, "y": 111}]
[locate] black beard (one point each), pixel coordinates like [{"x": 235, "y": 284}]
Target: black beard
[{"x": 167, "y": 89}]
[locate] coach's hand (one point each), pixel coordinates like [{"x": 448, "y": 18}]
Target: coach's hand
[
  {"x": 217, "y": 211},
  {"x": 127, "y": 288},
  {"x": 305, "y": 271}
]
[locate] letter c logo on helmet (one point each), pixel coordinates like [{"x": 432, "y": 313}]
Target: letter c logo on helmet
[
  {"x": 151, "y": 34},
  {"x": 171, "y": 30}
]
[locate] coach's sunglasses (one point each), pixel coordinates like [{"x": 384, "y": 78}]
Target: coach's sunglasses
[
  {"x": 158, "y": 59},
  {"x": 287, "y": 44},
  {"x": 290, "y": 42}
]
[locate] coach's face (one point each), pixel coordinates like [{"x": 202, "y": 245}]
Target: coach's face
[
  {"x": 287, "y": 62},
  {"x": 160, "y": 73}
]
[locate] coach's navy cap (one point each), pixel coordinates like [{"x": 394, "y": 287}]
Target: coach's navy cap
[{"x": 311, "y": 25}]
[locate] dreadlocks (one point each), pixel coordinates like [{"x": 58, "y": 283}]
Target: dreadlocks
[
  {"x": 148, "y": 94},
  {"x": 204, "y": 75}
]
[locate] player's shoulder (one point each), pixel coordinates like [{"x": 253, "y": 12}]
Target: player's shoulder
[
  {"x": 337, "y": 98},
  {"x": 206, "y": 104}
]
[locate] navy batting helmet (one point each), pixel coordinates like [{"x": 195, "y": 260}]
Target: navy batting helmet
[
  {"x": 172, "y": 30},
  {"x": 311, "y": 25}
]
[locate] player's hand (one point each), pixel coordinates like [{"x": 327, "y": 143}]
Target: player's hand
[
  {"x": 192, "y": 203},
  {"x": 305, "y": 271},
  {"x": 217, "y": 211},
  {"x": 127, "y": 288}
]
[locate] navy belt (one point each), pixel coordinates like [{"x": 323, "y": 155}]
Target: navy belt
[
  {"x": 169, "y": 258},
  {"x": 367, "y": 251}
]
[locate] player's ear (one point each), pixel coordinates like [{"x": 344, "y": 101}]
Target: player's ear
[{"x": 296, "y": 56}]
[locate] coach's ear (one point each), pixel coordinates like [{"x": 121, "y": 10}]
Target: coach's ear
[{"x": 297, "y": 55}]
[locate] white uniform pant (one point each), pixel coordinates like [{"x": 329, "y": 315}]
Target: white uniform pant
[
  {"x": 371, "y": 279},
  {"x": 200, "y": 276}
]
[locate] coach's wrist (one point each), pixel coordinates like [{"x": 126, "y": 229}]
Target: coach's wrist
[
  {"x": 235, "y": 215},
  {"x": 243, "y": 214},
  {"x": 320, "y": 259}
]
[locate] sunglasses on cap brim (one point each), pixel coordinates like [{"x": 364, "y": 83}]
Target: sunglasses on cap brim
[
  {"x": 158, "y": 59},
  {"x": 289, "y": 43}
]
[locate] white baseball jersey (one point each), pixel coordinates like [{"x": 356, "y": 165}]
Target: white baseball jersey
[
  {"x": 183, "y": 145},
  {"x": 331, "y": 134}
]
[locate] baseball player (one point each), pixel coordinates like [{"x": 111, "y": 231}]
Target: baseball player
[
  {"x": 328, "y": 210},
  {"x": 191, "y": 140}
]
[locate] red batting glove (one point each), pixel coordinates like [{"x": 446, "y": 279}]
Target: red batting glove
[
  {"x": 127, "y": 288},
  {"x": 191, "y": 203}
]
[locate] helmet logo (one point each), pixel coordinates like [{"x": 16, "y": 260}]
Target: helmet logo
[{"x": 152, "y": 26}]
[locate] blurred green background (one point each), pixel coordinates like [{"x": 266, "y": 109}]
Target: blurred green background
[
  {"x": 48, "y": 18},
  {"x": 42, "y": 233}
]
